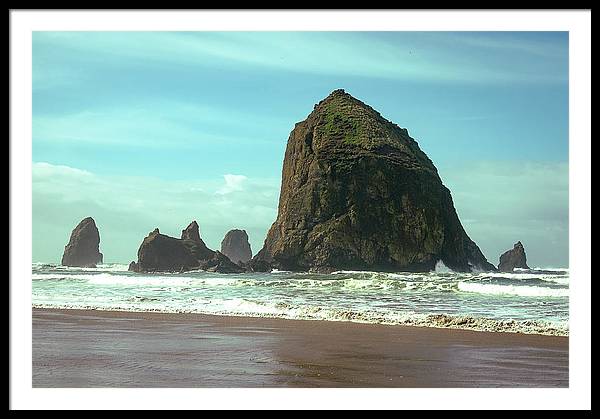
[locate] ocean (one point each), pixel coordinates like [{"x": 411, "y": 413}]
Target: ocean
[{"x": 525, "y": 301}]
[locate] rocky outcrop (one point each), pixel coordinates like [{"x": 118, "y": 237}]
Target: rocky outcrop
[
  {"x": 257, "y": 265},
  {"x": 162, "y": 253},
  {"x": 514, "y": 258},
  {"x": 192, "y": 232},
  {"x": 222, "y": 264},
  {"x": 236, "y": 247},
  {"x": 358, "y": 193},
  {"x": 83, "y": 247}
]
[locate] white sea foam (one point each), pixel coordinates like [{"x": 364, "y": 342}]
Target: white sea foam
[
  {"x": 137, "y": 280},
  {"x": 564, "y": 280},
  {"x": 171, "y": 281},
  {"x": 248, "y": 308},
  {"x": 538, "y": 268},
  {"x": 110, "y": 267},
  {"x": 372, "y": 284},
  {"x": 373, "y": 281},
  {"x": 277, "y": 271},
  {"x": 114, "y": 267},
  {"x": 522, "y": 290},
  {"x": 559, "y": 279},
  {"x": 351, "y": 272},
  {"x": 465, "y": 300},
  {"x": 404, "y": 276},
  {"x": 441, "y": 268}
]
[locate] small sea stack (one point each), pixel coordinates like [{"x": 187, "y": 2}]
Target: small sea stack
[
  {"x": 83, "y": 247},
  {"x": 236, "y": 247},
  {"x": 514, "y": 258},
  {"x": 161, "y": 253}
]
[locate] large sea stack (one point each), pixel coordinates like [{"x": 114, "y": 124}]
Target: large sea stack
[
  {"x": 514, "y": 258},
  {"x": 358, "y": 193},
  {"x": 236, "y": 247},
  {"x": 162, "y": 253},
  {"x": 83, "y": 247}
]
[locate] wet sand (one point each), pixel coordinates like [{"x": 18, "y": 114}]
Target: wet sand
[{"x": 78, "y": 348}]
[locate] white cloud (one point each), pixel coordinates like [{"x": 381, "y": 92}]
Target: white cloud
[
  {"x": 233, "y": 183},
  {"x": 43, "y": 170},
  {"x": 500, "y": 203},
  {"x": 127, "y": 208}
]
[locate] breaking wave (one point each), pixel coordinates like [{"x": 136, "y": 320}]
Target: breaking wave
[
  {"x": 559, "y": 278},
  {"x": 523, "y": 290},
  {"x": 441, "y": 268},
  {"x": 248, "y": 308},
  {"x": 522, "y": 301}
]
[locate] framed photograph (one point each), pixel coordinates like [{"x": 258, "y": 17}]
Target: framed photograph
[{"x": 385, "y": 201}]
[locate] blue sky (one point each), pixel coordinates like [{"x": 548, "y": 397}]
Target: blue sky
[{"x": 153, "y": 129}]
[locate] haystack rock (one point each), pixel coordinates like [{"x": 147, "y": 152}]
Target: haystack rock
[
  {"x": 358, "y": 193},
  {"x": 514, "y": 258},
  {"x": 83, "y": 247},
  {"x": 235, "y": 245},
  {"x": 162, "y": 253}
]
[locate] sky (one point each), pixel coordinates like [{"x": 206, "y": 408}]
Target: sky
[{"x": 155, "y": 129}]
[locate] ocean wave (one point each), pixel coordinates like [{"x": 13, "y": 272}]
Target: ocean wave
[
  {"x": 132, "y": 279},
  {"x": 352, "y": 272},
  {"x": 493, "y": 325},
  {"x": 159, "y": 280},
  {"x": 526, "y": 275},
  {"x": 248, "y": 308},
  {"x": 219, "y": 281},
  {"x": 277, "y": 271},
  {"x": 525, "y": 300},
  {"x": 551, "y": 269},
  {"x": 103, "y": 267},
  {"x": 365, "y": 282},
  {"x": 441, "y": 268},
  {"x": 519, "y": 290}
]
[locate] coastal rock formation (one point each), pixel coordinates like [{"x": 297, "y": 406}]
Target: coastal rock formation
[
  {"x": 222, "y": 264},
  {"x": 162, "y": 253},
  {"x": 358, "y": 193},
  {"x": 83, "y": 247},
  {"x": 192, "y": 232},
  {"x": 514, "y": 258},
  {"x": 236, "y": 247},
  {"x": 257, "y": 265}
]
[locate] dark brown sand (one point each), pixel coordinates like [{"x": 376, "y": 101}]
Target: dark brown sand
[{"x": 76, "y": 348}]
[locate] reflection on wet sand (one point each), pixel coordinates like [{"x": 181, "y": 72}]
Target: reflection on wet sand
[{"x": 74, "y": 348}]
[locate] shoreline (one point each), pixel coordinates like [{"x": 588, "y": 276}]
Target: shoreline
[
  {"x": 274, "y": 317},
  {"x": 96, "y": 348}
]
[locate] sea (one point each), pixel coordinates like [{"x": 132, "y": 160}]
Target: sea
[{"x": 524, "y": 301}]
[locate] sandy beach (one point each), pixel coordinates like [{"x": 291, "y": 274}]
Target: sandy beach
[{"x": 77, "y": 348}]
